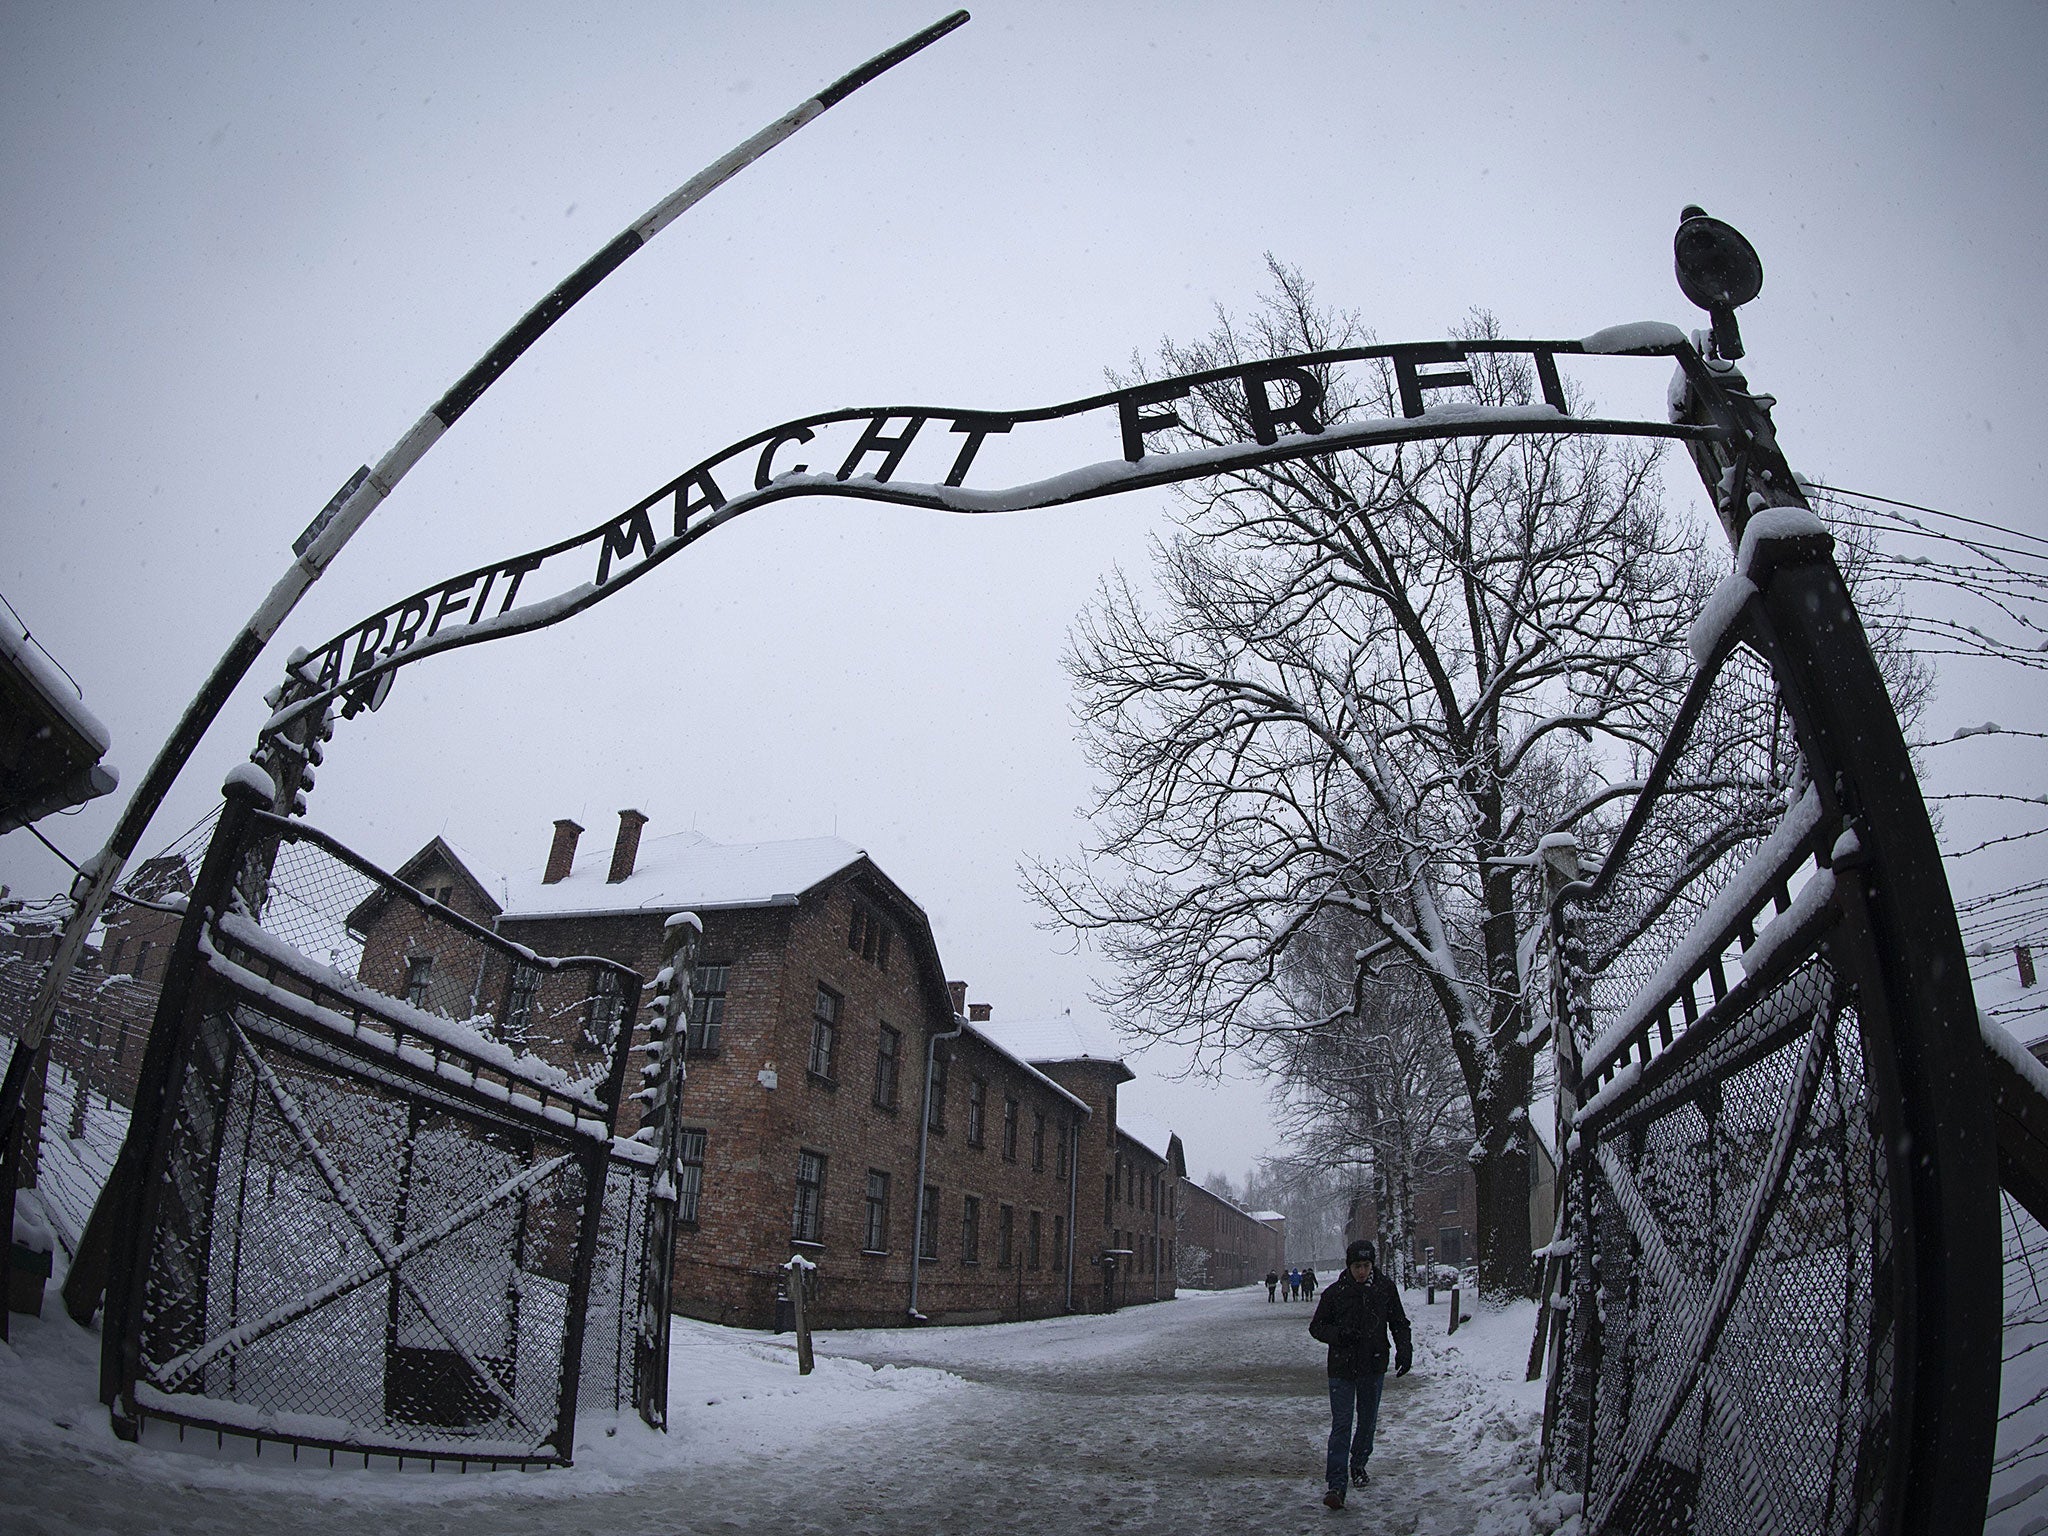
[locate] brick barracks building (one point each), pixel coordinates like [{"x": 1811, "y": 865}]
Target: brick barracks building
[
  {"x": 843, "y": 1100},
  {"x": 1222, "y": 1245}
]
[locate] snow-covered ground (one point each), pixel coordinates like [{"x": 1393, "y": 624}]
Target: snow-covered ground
[{"x": 1197, "y": 1415}]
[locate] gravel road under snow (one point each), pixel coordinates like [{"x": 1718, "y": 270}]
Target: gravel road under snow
[{"x": 1205, "y": 1414}]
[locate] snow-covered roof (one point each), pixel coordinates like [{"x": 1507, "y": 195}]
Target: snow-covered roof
[
  {"x": 684, "y": 870},
  {"x": 493, "y": 881},
  {"x": 1065, "y": 1038},
  {"x": 1146, "y": 1132},
  {"x": 57, "y": 689},
  {"x": 980, "y": 1032},
  {"x": 1268, "y": 1216}
]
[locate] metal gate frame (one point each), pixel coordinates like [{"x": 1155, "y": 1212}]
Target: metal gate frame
[
  {"x": 1884, "y": 920},
  {"x": 215, "y": 1002}
]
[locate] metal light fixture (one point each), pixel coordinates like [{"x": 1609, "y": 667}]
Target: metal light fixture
[{"x": 1718, "y": 270}]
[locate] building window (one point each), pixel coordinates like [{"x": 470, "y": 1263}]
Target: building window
[
  {"x": 808, "y": 1223},
  {"x": 707, "y": 1009},
  {"x": 824, "y": 1033},
  {"x": 977, "y": 1111},
  {"x": 1006, "y": 1235},
  {"x": 869, "y": 936},
  {"x": 1009, "y": 1129},
  {"x": 1451, "y": 1198},
  {"x": 419, "y": 976},
  {"x": 888, "y": 1067},
  {"x": 112, "y": 959},
  {"x": 1450, "y": 1245},
  {"x": 877, "y": 1239},
  {"x": 1060, "y": 1151},
  {"x": 519, "y": 1005},
  {"x": 970, "y": 1231},
  {"x": 690, "y": 1181},
  {"x": 601, "y": 1025},
  {"x": 935, "y": 1106},
  {"x": 142, "y": 957},
  {"x": 928, "y": 1224},
  {"x": 1037, "y": 1142},
  {"x": 1031, "y": 1235},
  {"x": 1059, "y": 1240}
]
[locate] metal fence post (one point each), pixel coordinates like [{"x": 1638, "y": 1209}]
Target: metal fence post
[
  {"x": 112, "y": 1248},
  {"x": 668, "y": 1023}
]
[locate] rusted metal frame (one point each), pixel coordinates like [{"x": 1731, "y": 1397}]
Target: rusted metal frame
[
  {"x": 2022, "y": 1136},
  {"x": 651, "y": 1296},
  {"x": 346, "y": 1448},
  {"x": 1734, "y": 1000},
  {"x": 596, "y": 1161},
  {"x": 1655, "y": 1095},
  {"x": 1922, "y": 1048},
  {"x": 289, "y": 829},
  {"x": 329, "y": 1052},
  {"x": 630, "y": 982},
  {"x": 359, "y": 686},
  {"x": 114, "y": 1250},
  {"x": 1586, "y": 891},
  {"x": 1705, "y": 1330},
  {"x": 390, "y": 1257},
  {"x": 402, "y": 1037}
]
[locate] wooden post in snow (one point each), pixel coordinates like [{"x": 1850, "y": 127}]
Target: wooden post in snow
[{"x": 800, "y": 1271}]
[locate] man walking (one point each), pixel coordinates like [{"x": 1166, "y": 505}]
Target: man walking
[
  {"x": 1358, "y": 1310},
  {"x": 1272, "y": 1283}
]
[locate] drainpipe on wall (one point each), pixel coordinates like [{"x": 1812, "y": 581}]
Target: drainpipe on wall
[
  {"x": 924, "y": 1136},
  {"x": 1073, "y": 1189}
]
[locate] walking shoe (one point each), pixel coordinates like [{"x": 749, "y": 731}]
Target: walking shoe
[
  {"x": 1358, "y": 1477},
  {"x": 1334, "y": 1498}
]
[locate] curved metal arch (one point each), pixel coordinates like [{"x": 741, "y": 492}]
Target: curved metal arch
[{"x": 357, "y": 664}]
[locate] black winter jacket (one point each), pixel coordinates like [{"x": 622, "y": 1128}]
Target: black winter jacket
[{"x": 1354, "y": 1320}]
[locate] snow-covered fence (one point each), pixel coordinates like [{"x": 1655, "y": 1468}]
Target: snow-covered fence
[
  {"x": 1773, "y": 1279},
  {"x": 76, "y": 1113},
  {"x": 363, "y": 1224},
  {"x": 77, "y": 1123}
]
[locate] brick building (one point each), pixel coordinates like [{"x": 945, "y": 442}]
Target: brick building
[
  {"x": 843, "y": 1100},
  {"x": 134, "y": 940},
  {"x": 1224, "y": 1245},
  {"x": 1132, "y": 1171}
]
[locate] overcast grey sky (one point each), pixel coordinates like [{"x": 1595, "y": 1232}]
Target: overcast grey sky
[{"x": 243, "y": 247}]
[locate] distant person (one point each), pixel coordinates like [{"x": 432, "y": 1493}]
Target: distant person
[
  {"x": 1308, "y": 1284},
  {"x": 1272, "y": 1284},
  {"x": 1294, "y": 1285},
  {"x": 1356, "y": 1315}
]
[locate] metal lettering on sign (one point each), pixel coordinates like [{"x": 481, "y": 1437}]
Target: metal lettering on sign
[{"x": 925, "y": 455}]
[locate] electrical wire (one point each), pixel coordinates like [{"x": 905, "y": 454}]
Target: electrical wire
[{"x": 1914, "y": 506}]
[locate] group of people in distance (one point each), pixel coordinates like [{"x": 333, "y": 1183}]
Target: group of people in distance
[
  {"x": 1295, "y": 1285},
  {"x": 1361, "y": 1320}
]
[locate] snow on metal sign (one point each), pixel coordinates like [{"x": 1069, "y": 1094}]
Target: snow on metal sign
[{"x": 925, "y": 455}]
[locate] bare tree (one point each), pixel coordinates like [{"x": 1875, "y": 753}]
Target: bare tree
[
  {"x": 1372, "y": 1093},
  {"x": 1363, "y": 684}
]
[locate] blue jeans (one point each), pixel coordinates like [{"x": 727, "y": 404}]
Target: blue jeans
[{"x": 1346, "y": 1449}]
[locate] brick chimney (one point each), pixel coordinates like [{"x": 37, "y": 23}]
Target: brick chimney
[
  {"x": 563, "y": 854},
  {"x": 977, "y": 1013},
  {"x": 959, "y": 991},
  {"x": 627, "y": 848}
]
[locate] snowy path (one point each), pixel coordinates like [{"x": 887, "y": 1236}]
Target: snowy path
[{"x": 1201, "y": 1415}]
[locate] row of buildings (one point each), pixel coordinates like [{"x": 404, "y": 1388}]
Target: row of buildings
[{"x": 844, "y": 1098}]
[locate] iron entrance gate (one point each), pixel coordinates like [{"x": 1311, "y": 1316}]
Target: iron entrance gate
[
  {"x": 374, "y": 1184},
  {"x": 1776, "y": 1268}
]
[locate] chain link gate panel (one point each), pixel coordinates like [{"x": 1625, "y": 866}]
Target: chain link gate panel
[
  {"x": 1767, "y": 1273},
  {"x": 373, "y": 1215}
]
